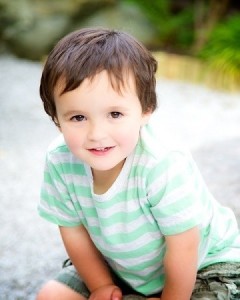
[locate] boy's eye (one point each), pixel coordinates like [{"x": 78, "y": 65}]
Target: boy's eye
[
  {"x": 115, "y": 114},
  {"x": 78, "y": 118}
]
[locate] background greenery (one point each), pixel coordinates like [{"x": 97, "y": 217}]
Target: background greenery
[
  {"x": 209, "y": 30},
  {"x": 206, "y": 30}
]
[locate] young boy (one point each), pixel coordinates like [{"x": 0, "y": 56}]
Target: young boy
[{"x": 135, "y": 217}]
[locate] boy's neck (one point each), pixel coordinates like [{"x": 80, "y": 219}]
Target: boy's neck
[{"x": 103, "y": 180}]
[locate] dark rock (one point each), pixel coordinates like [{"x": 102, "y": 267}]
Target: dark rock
[{"x": 30, "y": 28}]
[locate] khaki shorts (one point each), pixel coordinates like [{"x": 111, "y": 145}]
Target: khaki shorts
[{"x": 220, "y": 281}]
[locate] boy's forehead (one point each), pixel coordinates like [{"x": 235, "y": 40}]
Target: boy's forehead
[
  {"x": 124, "y": 82},
  {"x": 59, "y": 86}
]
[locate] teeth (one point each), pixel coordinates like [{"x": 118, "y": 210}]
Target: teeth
[{"x": 100, "y": 149}]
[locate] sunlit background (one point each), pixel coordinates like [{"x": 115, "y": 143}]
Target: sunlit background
[{"x": 197, "y": 45}]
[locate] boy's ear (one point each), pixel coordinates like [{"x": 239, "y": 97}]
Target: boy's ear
[{"x": 146, "y": 116}]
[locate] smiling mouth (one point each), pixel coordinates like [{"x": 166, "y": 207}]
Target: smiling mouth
[{"x": 100, "y": 149}]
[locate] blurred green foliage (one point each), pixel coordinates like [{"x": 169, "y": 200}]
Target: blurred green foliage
[
  {"x": 209, "y": 30},
  {"x": 205, "y": 29},
  {"x": 173, "y": 24},
  {"x": 222, "y": 50}
]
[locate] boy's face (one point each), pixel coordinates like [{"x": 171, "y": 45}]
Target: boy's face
[{"x": 100, "y": 125}]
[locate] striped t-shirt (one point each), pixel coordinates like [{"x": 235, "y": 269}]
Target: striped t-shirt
[{"x": 158, "y": 192}]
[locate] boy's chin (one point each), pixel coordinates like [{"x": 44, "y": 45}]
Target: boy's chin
[{"x": 105, "y": 167}]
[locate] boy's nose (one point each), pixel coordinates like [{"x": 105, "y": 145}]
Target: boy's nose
[{"x": 96, "y": 132}]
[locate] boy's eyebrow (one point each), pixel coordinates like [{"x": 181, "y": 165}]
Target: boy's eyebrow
[
  {"x": 72, "y": 112},
  {"x": 115, "y": 108},
  {"x": 109, "y": 108}
]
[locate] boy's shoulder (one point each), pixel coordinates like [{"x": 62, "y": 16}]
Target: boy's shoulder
[
  {"x": 159, "y": 150},
  {"x": 58, "y": 152}
]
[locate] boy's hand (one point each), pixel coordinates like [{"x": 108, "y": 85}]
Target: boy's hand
[{"x": 107, "y": 292}]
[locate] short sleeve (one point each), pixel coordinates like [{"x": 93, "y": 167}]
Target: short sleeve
[
  {"x": 56, "y": 205},
  {"x": 176, "y": 193}
]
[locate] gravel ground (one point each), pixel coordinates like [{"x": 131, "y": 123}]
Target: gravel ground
[{"x": 31, "y": 252}]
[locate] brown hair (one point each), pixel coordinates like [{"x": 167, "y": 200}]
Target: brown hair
[{"x": 86, "y": 52}]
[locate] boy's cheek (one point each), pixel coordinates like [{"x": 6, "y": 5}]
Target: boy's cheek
[
  {"x": 127, "y": 138},
  {"x": 72, "y": 139}
]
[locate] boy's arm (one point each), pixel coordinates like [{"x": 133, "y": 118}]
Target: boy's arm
[
  {"x": 88, "y": 261},
  {"x": 180, "y": 264}
]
